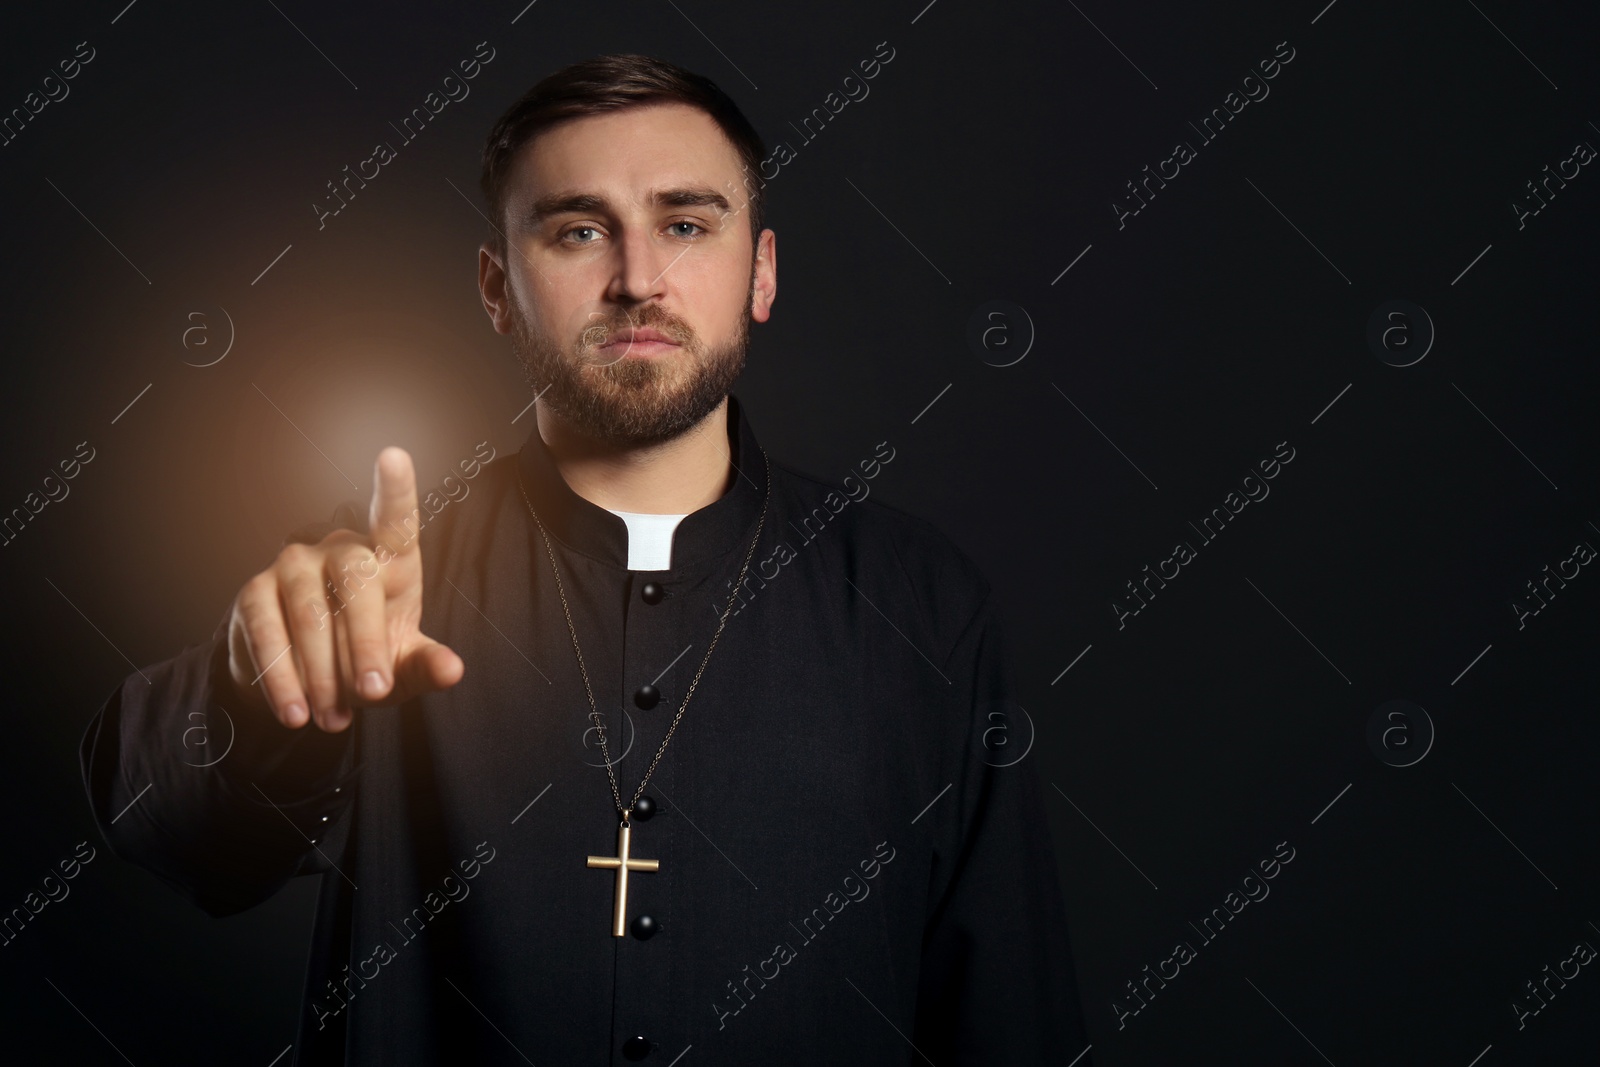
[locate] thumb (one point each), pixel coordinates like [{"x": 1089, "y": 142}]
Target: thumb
[{"x": 428, "y": 666}]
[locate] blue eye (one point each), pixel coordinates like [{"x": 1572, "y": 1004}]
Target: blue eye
[
  {"x": 696, "y": 225},
  {"x": 576, "y": 229}
]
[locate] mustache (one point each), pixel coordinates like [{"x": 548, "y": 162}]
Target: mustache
[{"x": 598, "y": 333}]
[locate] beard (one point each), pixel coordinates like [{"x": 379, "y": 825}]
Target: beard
[{"x": 630, "y": 401}]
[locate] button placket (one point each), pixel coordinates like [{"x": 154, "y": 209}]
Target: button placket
[{"x": 655, "y": 624}]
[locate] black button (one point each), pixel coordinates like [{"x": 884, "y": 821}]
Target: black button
[
  {"x": 651, "y": 592},
  {"x": 636, "y": 1048},
  {"x": 647, "y": 697},
  {"x": 643, "y": 927},
  {"x": 643, "y": 808}
]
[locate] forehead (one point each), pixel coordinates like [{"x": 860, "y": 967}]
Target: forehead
[{"x": 624, "y": 154}]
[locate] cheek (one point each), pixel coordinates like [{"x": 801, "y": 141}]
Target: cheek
[
  {"x": 714, "y": 293},
  {"x": 560, "y": 307}
]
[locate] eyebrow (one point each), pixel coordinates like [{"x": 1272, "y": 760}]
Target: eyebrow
[{"x": 567, "y": 203}]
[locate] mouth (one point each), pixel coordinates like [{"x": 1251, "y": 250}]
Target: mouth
[{"x": 639, "y": 343}]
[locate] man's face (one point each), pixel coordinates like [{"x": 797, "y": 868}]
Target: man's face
[{"x": 620, "y": 227}]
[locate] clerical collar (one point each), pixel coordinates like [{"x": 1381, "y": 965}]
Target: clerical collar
[
  {"x": 715, "y": 530},
  {"x": 649, "y": 539}
]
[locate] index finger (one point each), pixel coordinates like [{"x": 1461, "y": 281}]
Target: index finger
[{"x": 394, "y": 520}]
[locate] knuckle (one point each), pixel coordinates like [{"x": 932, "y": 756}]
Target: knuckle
[
  {"x": 257, "y": 597},
  {"x": 368, "y": 651},
  {"x": 309, "y": 611},
  {"x": 339, "y": 537},
  {"x": 262, "y": 619},
  {"x": 355, "y": 558},
  {"x": 260, "y": 586},
  {"x": 279, "y": 686},
  {"x": 297, "y": 556}
]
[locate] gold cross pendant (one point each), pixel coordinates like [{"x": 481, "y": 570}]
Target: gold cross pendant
[{"x": 622, "y": 864}]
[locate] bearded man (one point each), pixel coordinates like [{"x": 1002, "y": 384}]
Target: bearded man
[{"x": 651, "y": 749}]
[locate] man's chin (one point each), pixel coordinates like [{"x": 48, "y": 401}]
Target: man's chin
[
  {"x": 635, "y": 407},
  {"x": 630, "y": 375}
]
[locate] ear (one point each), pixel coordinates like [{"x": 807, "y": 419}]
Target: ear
[
  {"x": 492, "y": 286},
  {"x": 765, "y": 290}
]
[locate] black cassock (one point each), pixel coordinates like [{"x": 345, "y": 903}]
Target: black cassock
[{"x": 850, "y": 872}]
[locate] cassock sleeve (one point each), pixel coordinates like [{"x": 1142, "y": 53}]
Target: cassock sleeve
[
  {"x": 997, "y": 985},
  {"x": 230, "y": 834}
]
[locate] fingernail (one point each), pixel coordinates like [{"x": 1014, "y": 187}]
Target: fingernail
[
  {"x": 296, "y": 714},
  {"x": 372, "y": 685}
]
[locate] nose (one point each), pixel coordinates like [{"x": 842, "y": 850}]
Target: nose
[{"x": 641, "y": 266}]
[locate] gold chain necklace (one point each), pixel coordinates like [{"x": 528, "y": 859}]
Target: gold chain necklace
[{"x": 622, "y": 862}]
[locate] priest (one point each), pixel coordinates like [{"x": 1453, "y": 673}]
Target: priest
[{"x": 649, "y": 749}]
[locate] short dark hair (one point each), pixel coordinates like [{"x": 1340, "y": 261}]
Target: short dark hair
[{"x": 614, "y": 82}]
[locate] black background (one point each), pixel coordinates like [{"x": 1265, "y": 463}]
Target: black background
[{"x": 1229, "y": 715}]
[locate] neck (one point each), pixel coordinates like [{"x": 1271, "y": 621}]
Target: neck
[{"x": 673, "y": 477}]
